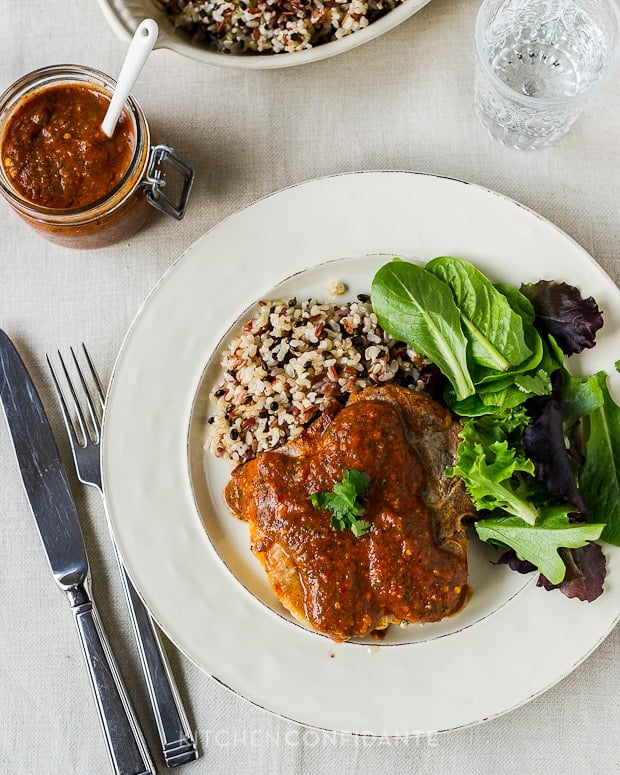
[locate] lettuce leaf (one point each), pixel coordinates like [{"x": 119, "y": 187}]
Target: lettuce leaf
[
  {"x": 498, "y": 398},
  {"x": 537, "y": 445},
  {"x": 539, "y": 543},
  {"x": 599, "y": 479},
  {"x": 581, "y": 397},
  {"x": 544, "y": 444},
  {"x": 585, "y": 573},
  {"x": 562, "y": 312},
  {"x": 492, "y": 478}
]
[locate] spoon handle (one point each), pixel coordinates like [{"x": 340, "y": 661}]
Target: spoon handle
[{"x": 141, "y": 46}]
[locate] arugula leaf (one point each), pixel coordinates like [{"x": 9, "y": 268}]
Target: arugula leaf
[
  {"x": 492, "y": 477},
  {"x": 343, "y": 502},
  {"x": 418, "y": 308},
  {"x": 539, "y": 543},
  {"x": 599, "y": 479},
  {"x": 494, "y": 330}
]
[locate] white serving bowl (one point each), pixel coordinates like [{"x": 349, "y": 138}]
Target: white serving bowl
[{"x": 125, "y": 15}]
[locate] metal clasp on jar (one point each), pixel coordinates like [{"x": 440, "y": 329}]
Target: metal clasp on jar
[{"x": 155, "y": 181}]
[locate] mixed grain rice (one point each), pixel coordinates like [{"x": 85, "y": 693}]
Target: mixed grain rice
[
  {"x": 290, "y": 361},
  {"x": 271, "y": 26}
]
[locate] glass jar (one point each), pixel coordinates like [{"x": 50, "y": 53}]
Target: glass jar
[{"x": 125, "y": 208}]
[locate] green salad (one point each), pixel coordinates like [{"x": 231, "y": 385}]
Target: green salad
[{"x": 539, "y": 448}]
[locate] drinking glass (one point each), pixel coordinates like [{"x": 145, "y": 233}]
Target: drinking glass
[{"x": 539, "y": 62}]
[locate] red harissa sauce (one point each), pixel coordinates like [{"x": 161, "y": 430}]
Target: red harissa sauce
[{"x": 54, "y": 152}]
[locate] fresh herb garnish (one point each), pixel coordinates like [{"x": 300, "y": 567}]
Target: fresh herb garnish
[{"x": 344, "y": 501}]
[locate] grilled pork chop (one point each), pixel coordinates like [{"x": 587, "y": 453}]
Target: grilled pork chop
[{"x": 412, "y": 564}]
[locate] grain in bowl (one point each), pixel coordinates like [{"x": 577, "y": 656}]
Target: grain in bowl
[{"x": 271, "y": 26}]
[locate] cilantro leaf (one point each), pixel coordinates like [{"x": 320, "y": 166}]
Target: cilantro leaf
[
  {"x": 344, "y": 502},
  {"x": 539, "y": 543}
]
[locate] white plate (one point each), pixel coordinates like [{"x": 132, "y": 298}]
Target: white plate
[
  {"x": 125, "y": 15},
  {"x": 510, "y": 643}
]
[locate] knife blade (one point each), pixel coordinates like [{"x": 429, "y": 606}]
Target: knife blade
[{"x": 51, "y": 502}]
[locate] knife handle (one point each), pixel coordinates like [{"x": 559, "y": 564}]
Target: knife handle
[{"x": 126, "y": 744}]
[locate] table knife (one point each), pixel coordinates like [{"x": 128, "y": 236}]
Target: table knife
[{"x": 54, "y": 511}]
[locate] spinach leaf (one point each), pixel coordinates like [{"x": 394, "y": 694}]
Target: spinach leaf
[
  {"x": 418, "y": 308},
  {"x": 539, "y": 353},
  {"x": 494, "y": 330},
  {"x": 539, "y": 543}
]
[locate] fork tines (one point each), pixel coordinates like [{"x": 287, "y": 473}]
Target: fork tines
[{"x": 82, "y": 424}]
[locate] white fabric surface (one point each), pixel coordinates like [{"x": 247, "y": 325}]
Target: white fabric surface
[{"x": 403, "y": 101}]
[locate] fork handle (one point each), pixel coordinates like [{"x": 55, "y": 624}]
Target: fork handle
[
  {"x": 177, "y": 742},
  {"x": 126, "y": 745}
]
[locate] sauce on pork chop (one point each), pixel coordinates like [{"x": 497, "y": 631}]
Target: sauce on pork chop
[{"x": 412, "y": 564}]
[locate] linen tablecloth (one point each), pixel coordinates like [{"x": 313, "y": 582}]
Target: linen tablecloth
[{"x": 402, "y": 102}]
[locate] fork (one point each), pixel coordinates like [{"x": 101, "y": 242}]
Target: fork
[{"x": 83, "y": 423}]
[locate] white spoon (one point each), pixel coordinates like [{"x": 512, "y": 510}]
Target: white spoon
[{"x": 140, "y": 47}]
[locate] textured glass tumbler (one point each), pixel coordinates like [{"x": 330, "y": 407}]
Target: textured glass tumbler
[{"x": 537, "y": 64}]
